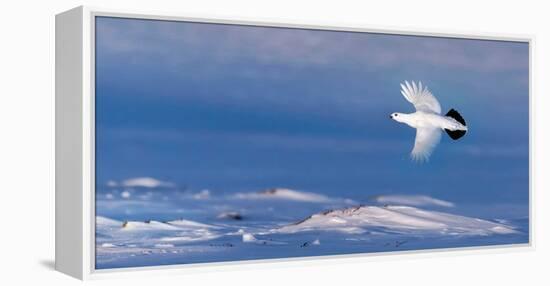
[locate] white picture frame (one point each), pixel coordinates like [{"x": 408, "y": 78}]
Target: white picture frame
[{"x": 75, "y": 138}]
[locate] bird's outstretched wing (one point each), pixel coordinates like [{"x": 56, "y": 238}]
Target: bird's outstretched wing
[
  {"x": 425, "y": 142},
  {"x": 420, "y": 97}
]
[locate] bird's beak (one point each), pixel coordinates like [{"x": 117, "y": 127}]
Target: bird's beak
[{"x": 391, "y": 117}]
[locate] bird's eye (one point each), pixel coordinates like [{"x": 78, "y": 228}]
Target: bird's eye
[{"x": 395, "y": 115}]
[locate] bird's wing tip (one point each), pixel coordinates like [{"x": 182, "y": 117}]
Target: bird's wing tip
[{"x": 420, "y": 158}]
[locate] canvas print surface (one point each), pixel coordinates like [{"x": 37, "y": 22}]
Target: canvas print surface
[{"x": 219, "y": 142}]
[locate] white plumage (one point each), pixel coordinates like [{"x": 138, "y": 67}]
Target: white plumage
[
  {"x": 420, "y": 97},
  {"x": 428, "y": 120}
]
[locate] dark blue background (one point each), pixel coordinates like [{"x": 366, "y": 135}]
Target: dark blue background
[{"x": 233, "y": 108}]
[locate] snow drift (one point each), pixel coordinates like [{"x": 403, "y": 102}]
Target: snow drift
[
  {"x": 286, "y": 194},
  {"x": 401, "y": 219},
  {"x": 146, "y": 232},
  {"x": 412, "y": 200}
]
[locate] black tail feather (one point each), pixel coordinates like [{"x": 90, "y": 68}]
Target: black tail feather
[{"x": 455, "y": 135}]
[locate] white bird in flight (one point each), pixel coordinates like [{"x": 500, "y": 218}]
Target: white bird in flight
[{"x": 427, "y": 120}]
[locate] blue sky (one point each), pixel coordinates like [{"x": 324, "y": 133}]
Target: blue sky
[{"x": 233, "y": 108}]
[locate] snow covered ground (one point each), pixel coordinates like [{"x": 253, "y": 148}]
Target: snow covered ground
[
  {"x": 403, "y": 219},
  {"x": 140, "y": 227}
]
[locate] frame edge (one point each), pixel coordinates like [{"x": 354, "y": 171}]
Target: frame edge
[{"x": 69, "y": 219}]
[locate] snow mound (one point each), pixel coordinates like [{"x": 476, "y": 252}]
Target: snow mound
[
  {"x": 401, "y": 219},
  {"x": 146, "y": 226},
  {"x": 285, "y": 194},
  {"x": 192, "y": 235},
  {"x": 145, "y": 182},
  {"x": 175, "y": 225},
  {"x": 412, "y": 200},
  {"x": 189, "y": 223},
  {"x": 202, "y": 195},
  {"x": 115, "y": 233},
  {"x": 230, "y": 216},
  {"x": 163, "y": 245},
  {"x": 103, "y": 221},
  {"x": 250, "y": 238}
]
